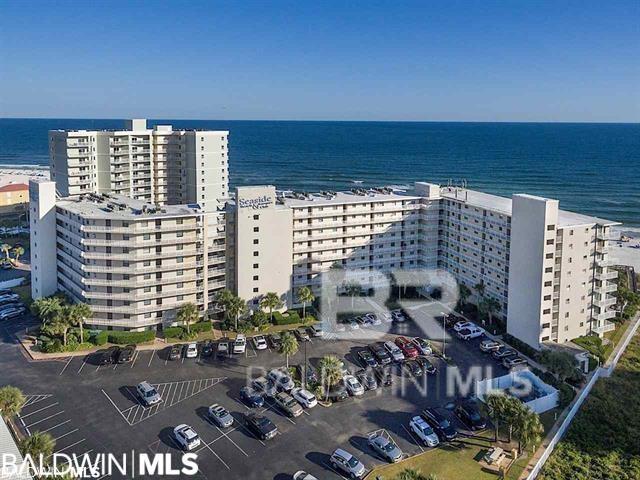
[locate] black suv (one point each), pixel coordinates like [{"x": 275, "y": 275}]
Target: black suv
[
  {"x": 312, "y": 375},
  {"x": 384, "y": 377},
  {"x": 126, "y": 354},
  {"x": 206, "y": 348},
  {"x": 175, "y": 352},
  {"x": 261, "y": 426},
  {"x": 366, "y": 358},
  {"x": 380, "y": 353},
  {"x": 439, "y": 421},
  {"x": 469, "y": 414},
  {"x": 108, "y": 356}
]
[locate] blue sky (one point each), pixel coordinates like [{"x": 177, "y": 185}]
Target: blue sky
[{"x": 484, "y": 61}]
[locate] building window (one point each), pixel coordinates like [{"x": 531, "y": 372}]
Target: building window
[
  {"x": 255, "y": 289},
  {"x": 256, "y": 217},
  {"x": 255, "y": 277},
  {"x": 256, "y": 229},
  {"x": 255, "y": 254},
  {"x": 255, "y": 265}
]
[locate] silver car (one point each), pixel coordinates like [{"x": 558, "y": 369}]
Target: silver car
[
  {"x": 220, "y": 416},
  {"x": 385, "y": 447},
  {"x": 343, "y": 461}
]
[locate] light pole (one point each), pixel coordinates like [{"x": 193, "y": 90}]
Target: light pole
[{"x": 444, "y": 335}]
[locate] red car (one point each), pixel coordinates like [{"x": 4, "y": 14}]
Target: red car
[{"x": 407, "y": 347}]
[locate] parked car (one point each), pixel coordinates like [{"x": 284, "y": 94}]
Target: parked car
[
  {"x": 366, "y": 358},
  {"x": 265, "y": 387},
  {"x": 6, "y": 291},
  {"x": 512, "y": 362},
  {"x": 394, "y": 351},
  {"x": 423, "y": 346},
  {"x": 503, "y": 352},
  {"x": 353, "y": 324},
  {"x": 275, "y": 341},
  {"x": 380, "y": 353},
  {"x": 125, "y": 355},
  {"x": 344, "y": 462},
  {"x": 386, "y": 317},
  {"x": 309, "y": 372},
  {"x": 223, "y": 349},
  {"x": 353, "y": 386},
  {"x": 191, "y": 350},
  {"x": 206, "y": 348},
  {"x": 288, "y": 404},
  {"x": 259, "y": 342},
  {"x": 384, "y": 376},
  {"x": 461, "y": 325},
  {"x": 367, "y": 378},
  {"x": 186, "y": 437},
  {"x": 251, "y": 397},
  {"x": 301, "y": 334},
  {"x": 240, "y": 344},
  {"x": 148, "y": 394},
  {"x": 469, "y": 414},
  {"x": 438, "y": 418},
  {"x": 489, "y": 345},
  {"x": 338, "y": 393},
  {"x": 302, "y": 475},
  {"x": 398, "y": 316},
  {"x": 12, "y": 312},
  {"x": 304, "y": 397},
  {"x": 412, "y": 368},
  {"x": 316, "y": 330},
  {"x": 374, "y": 318},
  {"x": 174, "y": 352},
  {"x": 426, "y": 365},
  {"x": 261, "y": 426},
  {"x": 424, "y": 431},
  {"x": 384, "y": 446},
  {"x": 220, "y": 416},
  {"x": 9, "y": 298},
  {"x": 469, "y": 333},
  {"x": 108, "y": 356},
  {"x": 13, "y": 304},
  {"x": 409, "y": 350},
  {"x": 281, "y": 379}
]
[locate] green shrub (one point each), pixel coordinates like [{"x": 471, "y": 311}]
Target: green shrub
[
  {"x": 188, "y": 335},
  {"x": 200, "y": 327},
  {"x": 126, "y": 338},
  {"x": 519, "y": 345},
  {"x": 173, "y": 332},
  {"x": 100, "y": 338},
  {"x": 287, "y": 318}
]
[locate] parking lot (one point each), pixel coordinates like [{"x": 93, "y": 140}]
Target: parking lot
[{"x": 93, "y": 408}]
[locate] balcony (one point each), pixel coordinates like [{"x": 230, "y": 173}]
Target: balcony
[
  {"x": 604, "y": 302},
  {"x": 606, "y": 315},
  {"x": 605, "y": 327},
  {"x": 606, "y": 275}
]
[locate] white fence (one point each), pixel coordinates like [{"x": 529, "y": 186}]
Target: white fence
[
  {"x": 14, "y": 282},
  {"x": 524, "y": 382}
]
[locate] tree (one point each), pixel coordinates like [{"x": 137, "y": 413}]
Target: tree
[
  {"x": 330, "y": 372},
  {"x": 480, "y": 288},
  {"x": 38, "y": 445},
  {"x": 496, "y": 407},
  {"x": 11, "y": 401},
  {"x": 259, "y": 320},
  {"x": 188, "y": 314},
  {"x": 353, "y": 289},
  {"x": 271, "y": 301},
  {"x": 46, "y": 308},
  {"x": 289, "y": 345},
  {"x": 223, "y": 297},
  {"x": 236, "y": 307},
  {"x": 17, "y": 252},
  {"x": 491, "y": 306},
  {"x": 59, "y": 326},
  {"x": 464, "y": 293},
  {"x": 78, "y": 314},
  {"x": 411, "y": 474},
  {"x": 529, "y": 429},
  {"x": 563, "y": 364},
  {"x": 305, "y": 295},
  {"x": 5, "y": 247},
  {"x": 512, "y": 410}
]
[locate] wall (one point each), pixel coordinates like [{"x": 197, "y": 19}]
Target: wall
[{"x": 42, "y": 207}]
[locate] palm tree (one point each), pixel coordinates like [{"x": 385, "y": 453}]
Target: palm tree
[
  {"x": 512, "y": 410},
  {"x": 305, "y": 295},
  {"x": 38, "y": 445},
  {"x": 271, "y": 301},
  {"x": 236, "y": 307},
  {"x": 496, "y": 406},
  {"x": 223, "y": 297},
  {"x": 46, "y": 308},
  {"x": 78, "y": 314},
  {"x": 5, "y": 247},
  {"x": 529, "y": 429},
  {"x": 463, "y": 292},
  {"x": 352, "y": 289},
  {"x": 11, "y": 401},
  {"x": 59, "y": 326},
  {"x": 17, "y": 251},
  {"x": 411, "y": 474},
  {"x": 480, "y": 288},
  {"x": 330, "y": 372},
  {"x": 188, "y": 314},
  {"x": 289, "y": 345}
]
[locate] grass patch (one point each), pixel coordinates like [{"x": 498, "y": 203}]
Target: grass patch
[{"x": 25, "y": 293}]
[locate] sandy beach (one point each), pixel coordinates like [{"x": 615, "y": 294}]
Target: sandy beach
[
  {"x": 626, "y": 253},
  {"x": 22, "y": 175}
]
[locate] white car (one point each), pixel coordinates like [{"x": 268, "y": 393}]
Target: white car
[
  {"x": 304, "y": 397},
  {"x": 423, "y": 431},
  {"x": 260, "y": 342},
  {"x": 282, "y": 380},
  {"x": 374, "y": 318},
  {"x": 470, "y": 332},
  {"x": 462, "y": 325},
  {"x": 240, "y": 344},
  {"x": 302, "y": 475},
  {"x": 394, "y": 351},
  {"x": 354, "y": 387},
  {"x": 398, "y": 316},
  {"x": 192, "y": 350},
  {"x": 386, "y": 317},
  {"x": 423, "y": 346},
  {"x": 186, "y": 437}
]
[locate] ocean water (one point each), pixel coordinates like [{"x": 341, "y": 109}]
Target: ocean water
[{"x": 590, "y": 168}]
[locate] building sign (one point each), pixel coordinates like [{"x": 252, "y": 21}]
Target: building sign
[{"x": 255, "y": 203}]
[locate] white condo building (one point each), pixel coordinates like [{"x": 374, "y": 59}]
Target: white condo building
[{"x": 547, "y": 268}]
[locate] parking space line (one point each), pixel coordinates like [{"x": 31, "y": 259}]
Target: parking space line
[
  {"x": 65, "y": 434},
  {"x": 231, "y": 440},
  {"x": 98, "y": 367},
  {"x": 69, "y": 446},
  {"x": 56, "y": 426},
  {"x": 115, "y": 406},
  {"x": 43, "y": 408},
  {"x": 417, "y": 440},
  {"x": 31, "y": 399},
  {"x": 44, "y": 419},
  {"x": 135, "y": 357},
  {"x": 217, "y": 456},
  {"x": 65, "y": 366},
  {"x": 334, "y": 471},
  {"x": 153, "y": 352},
  {"x": 82, "y": 366}
]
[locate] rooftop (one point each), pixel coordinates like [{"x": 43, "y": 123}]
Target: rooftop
[
  {"x": 14, "y": 187},
  {"x": 357, "y": 195}
]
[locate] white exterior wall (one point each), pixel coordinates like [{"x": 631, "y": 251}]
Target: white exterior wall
[{"x": 42, "y": 206}]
